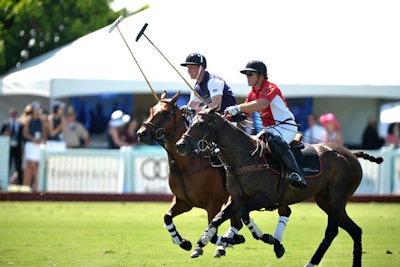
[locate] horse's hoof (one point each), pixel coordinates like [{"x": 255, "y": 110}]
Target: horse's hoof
[
  {"x": 186, "y": 245},
  {"x": 219, "y": 252},
  {"x": 268, "y": 239},
  {"x": 279, "y": 249},
  {"x": 239, "y": 239},
  {"x": 197, "y": 251}
]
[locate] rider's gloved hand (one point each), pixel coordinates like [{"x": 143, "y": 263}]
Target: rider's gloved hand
[
  {"x": 188, "y": 111},
  {"x": 232, "y": 110}
]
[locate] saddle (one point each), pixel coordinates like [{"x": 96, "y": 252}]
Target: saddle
[{"x": 306, "y": 156}]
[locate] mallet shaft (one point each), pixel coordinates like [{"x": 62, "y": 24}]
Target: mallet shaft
[
  {"x": 183, "y": 78},
  {"x": 137, "y": 63}
]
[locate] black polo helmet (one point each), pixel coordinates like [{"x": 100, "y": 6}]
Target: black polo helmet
[
  {"x": 255, "y": 66},
  {"x": 195, "y": 59}
]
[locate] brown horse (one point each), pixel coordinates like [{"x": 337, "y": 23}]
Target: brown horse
[
  {"x": 193, "y": 180},
  {"x": 254, "y": 185}
]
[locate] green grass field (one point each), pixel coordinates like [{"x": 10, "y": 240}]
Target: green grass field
[{"x": 132, "y": 234}]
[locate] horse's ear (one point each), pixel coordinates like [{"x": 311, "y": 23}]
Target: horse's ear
[
  {"x": 164, "y": 95},
  {"x": 175, "y": 97}
]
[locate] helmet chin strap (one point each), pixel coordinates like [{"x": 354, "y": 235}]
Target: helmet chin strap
[
  {"x": 198, "y": 73},
  {"x": 258, "y": 78}
]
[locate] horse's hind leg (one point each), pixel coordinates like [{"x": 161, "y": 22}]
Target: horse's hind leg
[
  {"x": 284, "y": 214},
  {"x": 334, "y": 208},
  {"x": 177, "y": 207},
  {"x": 355, "y": 232}
]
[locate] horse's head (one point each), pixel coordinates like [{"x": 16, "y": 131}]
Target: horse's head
[
  {"x": 163, "y": 117},
  {"x": 203, "y": 129}
]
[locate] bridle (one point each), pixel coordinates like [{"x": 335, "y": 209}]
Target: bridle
[
  {"x": 159, "y": 133},
  {"x": 208, "y": 143}
]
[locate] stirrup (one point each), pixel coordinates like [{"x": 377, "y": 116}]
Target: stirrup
[{"x": 296, "y": 180}]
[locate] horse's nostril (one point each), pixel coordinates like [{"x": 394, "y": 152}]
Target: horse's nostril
[
  {"x": 181, "y": 148},
  {"x": 141, "y": 133}
]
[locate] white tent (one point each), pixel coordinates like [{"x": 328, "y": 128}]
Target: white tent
[
  {"x": 323, "y": 51},
  {"x": 311, "y": 48}
]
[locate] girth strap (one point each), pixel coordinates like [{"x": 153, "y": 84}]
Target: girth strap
[{"x": 250, "y": 168}]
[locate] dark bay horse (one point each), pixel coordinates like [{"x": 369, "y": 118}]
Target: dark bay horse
[
  {"x": 254, "y": 186},
  {"x": 193, "y": 180}
]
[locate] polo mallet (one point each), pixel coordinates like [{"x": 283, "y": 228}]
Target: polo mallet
[
  {"x": 188, "y": 84},
  {"x": 115, "y": 25}
]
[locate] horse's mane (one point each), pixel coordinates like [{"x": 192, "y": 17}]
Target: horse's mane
[{"x": 212, "y": 112}]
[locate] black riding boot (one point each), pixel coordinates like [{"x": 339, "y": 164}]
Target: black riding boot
[{"x": 283, "y": 152}]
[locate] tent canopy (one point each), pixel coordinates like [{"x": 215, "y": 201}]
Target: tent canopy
[{"x": 308, "y": 53}]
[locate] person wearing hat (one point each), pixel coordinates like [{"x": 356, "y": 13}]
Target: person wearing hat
[
  {"x": 56, "y": 123},
  {"x": 279, "y": 122},
  {"x": 115, "y": 129},
  {"x": 212, "y": 88},
  {"x": 332, "y": 126},
  {"x": 75, "y": 133},
  {"x": 35, "y": 135}
]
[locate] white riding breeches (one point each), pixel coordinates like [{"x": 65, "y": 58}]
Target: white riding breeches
[{"x": 286, "y": 131}]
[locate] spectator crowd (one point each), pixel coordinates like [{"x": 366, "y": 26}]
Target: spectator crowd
[{"x": 34, "y": 129}]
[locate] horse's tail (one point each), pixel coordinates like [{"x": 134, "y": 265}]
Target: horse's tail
[{"x": 367, "y": 156}]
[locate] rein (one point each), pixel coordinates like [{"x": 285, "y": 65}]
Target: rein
[{"x": 207, "y": 143}]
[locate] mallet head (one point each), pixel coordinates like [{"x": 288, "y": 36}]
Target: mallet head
[
  {"x": 141, "y": 32},
  {"x": 115, "y": 24}
]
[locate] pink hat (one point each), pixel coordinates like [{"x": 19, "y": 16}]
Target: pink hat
[{"x": 329, "y": 117}]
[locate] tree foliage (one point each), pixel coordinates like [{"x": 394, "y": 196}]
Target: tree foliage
[{"x": 29, "y": 28}]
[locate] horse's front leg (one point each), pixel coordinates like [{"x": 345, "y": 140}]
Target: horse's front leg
[
  {"x": 210, "y": 234},
  {"x": 256, "y": 203},
  {"x": 231, "y": 233},
  {"x": 177, "y": 207}
]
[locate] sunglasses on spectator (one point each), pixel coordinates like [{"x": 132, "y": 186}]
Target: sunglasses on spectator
[{"x": 249, "y": 73}]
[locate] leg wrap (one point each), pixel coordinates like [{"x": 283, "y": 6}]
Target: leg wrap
[
  {"x": 222, "y": 241},
  {"x": 230, "y": 233},
  {"x": 176, "y": 238},
  {"x": 280, "y": 227},
  {"x": 255, "y": 231},
  {"x": 207, "y": 235}
]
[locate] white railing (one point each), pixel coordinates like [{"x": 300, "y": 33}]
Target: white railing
[
  {"x": 4, "y": 161},
  {"x": 127, "y": 170},
  {"x": 144, "y": 169}
]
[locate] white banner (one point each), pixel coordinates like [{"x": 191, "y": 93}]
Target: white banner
[
  {"x": 151, "y": 175},
  {"x": 88, "y": 174}
]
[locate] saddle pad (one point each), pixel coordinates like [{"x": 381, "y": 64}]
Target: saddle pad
[{"x": 307, "y": 158}]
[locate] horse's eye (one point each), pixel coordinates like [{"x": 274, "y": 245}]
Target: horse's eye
[{"x": 165, "y": 113}]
